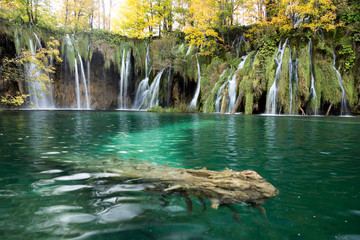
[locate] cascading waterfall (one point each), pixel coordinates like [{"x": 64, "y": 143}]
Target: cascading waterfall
[
  {"x": 189, "y": 50},
  {"x": 219, "y": 93},
  {"x": 312, "y": 88},
  {"x": 124, "y": 79},
  {"x": 122, "y": 76},
  {"x": 232, "y": 85},
  {"x": 232, "y": 88},
  {"x": 77, "y": 85},
  {"x": 344, "y": 108},
  {"x": 143, "y": 86},
  {"x": 152, "y": 94},
  {"x": 293, "y": 80},
  {"x": 84, "y": 82},
  {"x": 88, "y": 74},
  {"x": 79, "y": 105},
  {"x": 237, "y": 44},
  {"x": 168, "y": 85},
  {"x": 41, "y": 99},
  {"x": 193, "y": 102},
  {"x": 271, "y": 99},
  {"x": 212, "y": 91}
]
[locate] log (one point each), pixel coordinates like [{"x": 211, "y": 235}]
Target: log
[
  {"x": 328, "y": 111},
  {"x": 223, "y": 103},
  {"x": 238, "y": 101},
  {"x": 221, "y": 188}
]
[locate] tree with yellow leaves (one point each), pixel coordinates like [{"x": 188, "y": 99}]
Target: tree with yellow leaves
[{"x": 203, "y": 18}]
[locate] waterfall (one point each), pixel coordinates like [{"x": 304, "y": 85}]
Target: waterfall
[
  {"x": 77, "y": 86},
  {"x": 219, "y": 93},
  {"x": 168, "y": 85},
  {"x": 237, "y": 44},
  {"x": 124, "y": 79},
  {"x": 143, "y": 86},
  {"x": 271, "y": 100},
  {"x": 151, "y": 96},
  {"x": 293, "y": 80},
  {"x": 122, "y": 76},
  {"x": 141, "y": 92},
  {"x": 69, "y": 44},
  {"x": 232, "y": 92},
  {"x": 344, "y": 108},
  {"x": 193, "y": 102},
  {"x": 84, "y": 82},
  {"x": 232, "y": 84},
  {"x": 212, "y": 91},
  {"x": 88, "y": 74},
  {"x": 41, "y": 96},
  {"x": 312, "y": 88},
  {"x": 189, "y": 50},
  {"x": 232, "y": 87}
]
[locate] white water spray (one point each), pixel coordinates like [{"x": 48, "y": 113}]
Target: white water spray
[
  {"x": 344, "y": 108},
  {"x": 271, "y": 107},
  {"x": 193, "y": 102}
]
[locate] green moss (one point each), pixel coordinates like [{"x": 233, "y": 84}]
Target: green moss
[
  {"x": 210, "y": 91},
  {"x": 270, "y": 69},
  {"x": 326, "y": 82},
  {"x": 304, "y": 78},
  {"x": 283, "y": 94},
  {"x": 350, "y": 89},
  {"x": 249, "y": 103}
]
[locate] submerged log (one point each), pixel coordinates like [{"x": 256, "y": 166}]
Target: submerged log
[
  {"x": 328, "y": 111},
  {"x": 238, "y": 101},
  {"x": 223, "y": 103},
  {"x": 221, "y": 188}
]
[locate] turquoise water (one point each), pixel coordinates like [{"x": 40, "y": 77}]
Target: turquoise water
[{"x": 53, "y": 185}]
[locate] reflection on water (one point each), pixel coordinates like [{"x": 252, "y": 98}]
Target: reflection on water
[{"x": 52, "y": 184}]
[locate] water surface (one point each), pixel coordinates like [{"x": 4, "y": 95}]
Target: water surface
[{"x": 53, "y": 184}]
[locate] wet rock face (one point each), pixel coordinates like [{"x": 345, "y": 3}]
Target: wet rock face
[{"x": 104, "y": 85}]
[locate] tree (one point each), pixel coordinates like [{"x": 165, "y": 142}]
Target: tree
[
  {"x": 15, "y": 70},
  {"x": 203, "y": 17}
]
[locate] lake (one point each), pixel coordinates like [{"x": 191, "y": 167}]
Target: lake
[{"x": 53, "y": 184}]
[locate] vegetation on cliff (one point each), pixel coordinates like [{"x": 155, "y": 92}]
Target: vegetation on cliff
[{"x": 219, "y": 33}]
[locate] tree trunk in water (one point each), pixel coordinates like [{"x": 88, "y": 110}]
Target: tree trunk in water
[
  {"x": 21, "y": 87},
  {"x": 238, "y": 101},
  {"x": 223, "y": 103},
  {"x": 224, "y": 187},
  {"x": 328, "y": 111}
]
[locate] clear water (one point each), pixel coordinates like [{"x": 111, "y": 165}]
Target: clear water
[{"x": 53, "y": 186}]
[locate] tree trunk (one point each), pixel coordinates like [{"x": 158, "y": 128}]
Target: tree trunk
[
  {"x": 66, "y": 12},
  {"x": 110, "y": 14},
  {"x": 238, "y": 101},
  {"x": 99, "y": 15},
  {"x": 224, "y": 187},
  {"x": 223, "y": 103},
  {"x": 104, "y": 15},
  {"x": 328, "y": 111}
]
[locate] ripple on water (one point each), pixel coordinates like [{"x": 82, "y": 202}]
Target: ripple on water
[
  {"x": 52, "y": 171},
  {"x": 74, "y": 177},
  {"x": 119, "y": 213},
  {"x": 122, "y": 188},
  {"x": 57, "y": 209},
  {"x": 76, "y": 218},
  {"x": 69, "y": 188}
]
